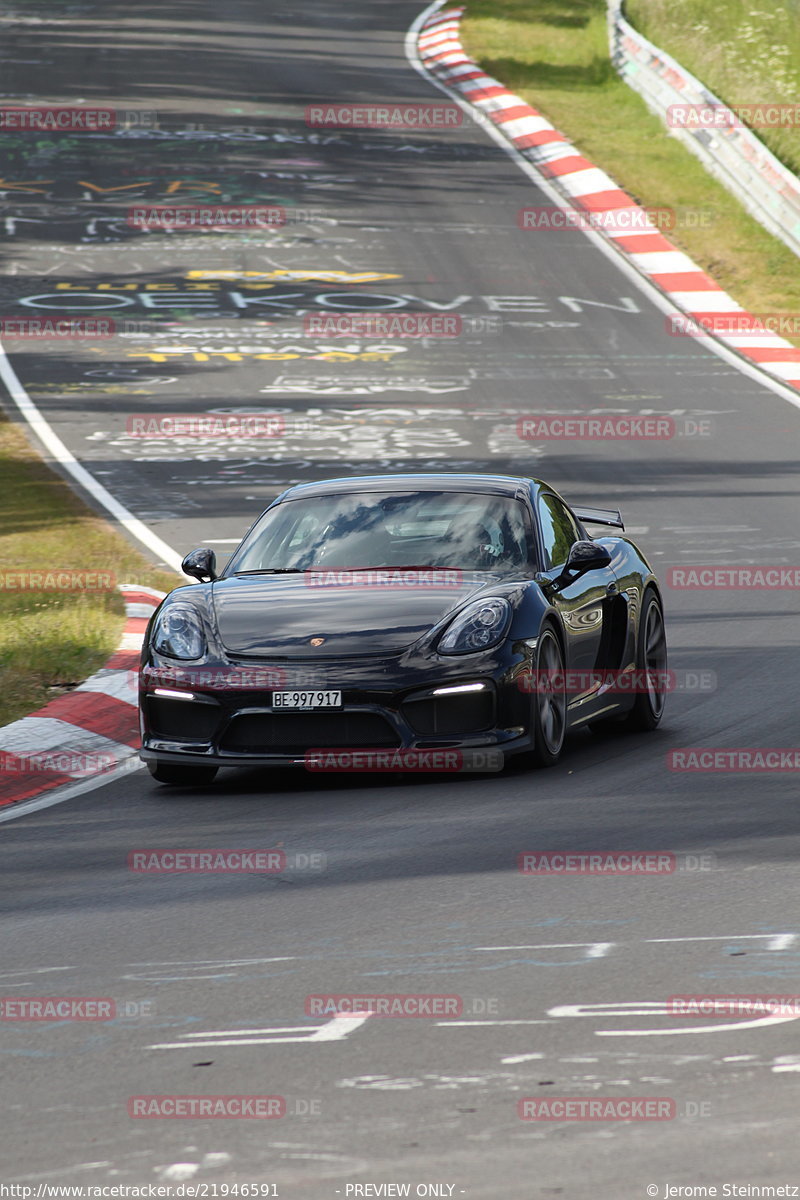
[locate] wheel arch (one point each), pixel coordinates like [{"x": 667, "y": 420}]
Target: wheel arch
[{"x": 552, "y": 620}]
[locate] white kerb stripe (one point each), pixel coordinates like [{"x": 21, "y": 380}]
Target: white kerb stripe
[
  {"x": 140, "y": 610},
  {"x": 701, "y": 302},
  {"x": 464, "y": 69},
  {"x": 498, "y": 103},
  {"x": 532, "y": 125},
  {"x": 452, "y": 59},
  {"x": 442, "y": 41},
  {"x": 446, "y": 32},
  {"x": 442, "y": 19},
  {"x": 754, "y": 340},
  {"x": 784, "y": 370},
  {"x": 446, "y": 48},
  {"x": 131, "y": 641},
  {"x": 443, "y": 37},
  {"x": 479, "y": 84},
  {"x": 118, "y": 684},
  {"x": 657, "y": 261},
  {"x": 587, "y": 181},
  {"x": 646, "y": 231},
  {"x": 519, "y": 126},
  {"x": 43, "y": 735},
  {"x": 550, "y": 151}
]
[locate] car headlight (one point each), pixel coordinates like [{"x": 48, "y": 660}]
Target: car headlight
[
  {"x": 179, "y": 632},
  {"x": 482, "y": 624}
]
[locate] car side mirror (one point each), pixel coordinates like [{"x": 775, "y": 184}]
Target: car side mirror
[
  {"x": 586, "y": 556},
  {"x": 583, "y": 557},
  {"x": 201, "y": 565}
]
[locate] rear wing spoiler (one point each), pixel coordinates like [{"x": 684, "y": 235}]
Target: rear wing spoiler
[{"x": 600, "y": 516}]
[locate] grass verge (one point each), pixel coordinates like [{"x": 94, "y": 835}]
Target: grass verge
[
  {"x": 745, "y": 54},
  {"x": 554, "y": 53},
  {"x": 52, "y": 639}
]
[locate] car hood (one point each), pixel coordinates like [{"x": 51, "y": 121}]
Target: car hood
[{"x": 275, "y": 616}]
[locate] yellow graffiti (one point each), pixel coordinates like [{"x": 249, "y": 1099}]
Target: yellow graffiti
[
  {"x": 296, "y": 276},
  {"x": 192, "y": 285},
  {"x": 207, "y": 284},
  {"x": 193, "y": 186},
  {"x": 166, "y": 355},
  {"x": 124, "y": 187},
  {"x": 24, "y": 185}
]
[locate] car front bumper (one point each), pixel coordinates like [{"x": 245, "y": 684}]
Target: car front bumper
[{"x": 447, "y": 705}]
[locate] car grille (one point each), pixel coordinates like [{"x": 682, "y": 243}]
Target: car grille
[
  {"x": 296, "y": 732},
  {"x": 180, "y": 719},
  {"x": 460, "y": 713}
]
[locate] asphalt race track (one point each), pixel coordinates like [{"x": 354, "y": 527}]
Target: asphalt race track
[{"x": 395, "y": 885}]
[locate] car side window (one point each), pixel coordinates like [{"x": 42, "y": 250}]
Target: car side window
[{"x": 559, "y": 530}]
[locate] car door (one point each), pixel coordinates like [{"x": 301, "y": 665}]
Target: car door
[{"x": 585, "y": 603}]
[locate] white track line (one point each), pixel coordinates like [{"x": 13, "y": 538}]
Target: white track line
[{"x": 56, "y": 449}]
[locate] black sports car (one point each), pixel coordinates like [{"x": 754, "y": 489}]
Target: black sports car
[{"x": 399, "y": 620}]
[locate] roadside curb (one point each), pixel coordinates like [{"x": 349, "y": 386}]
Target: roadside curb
[
  {"x": 589, "y": 190},
  {"x": 87, "y": 732}
]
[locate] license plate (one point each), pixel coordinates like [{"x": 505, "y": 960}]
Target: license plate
[{"x": 307, "y": 699}]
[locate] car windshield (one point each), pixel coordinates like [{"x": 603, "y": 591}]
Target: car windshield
[{"x": 463, "y": 530}]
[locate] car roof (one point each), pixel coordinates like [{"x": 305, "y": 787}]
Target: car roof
[{"x": 496, "y": 485}]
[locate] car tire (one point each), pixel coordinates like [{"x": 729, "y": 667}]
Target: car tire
[
  {"x": 180, "y": 776},
  {"x": 548, "y": 709},
  {"x": 651, "y": 656}
]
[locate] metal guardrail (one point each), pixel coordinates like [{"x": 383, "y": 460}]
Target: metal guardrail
[{"x": 732, "y": 154}]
